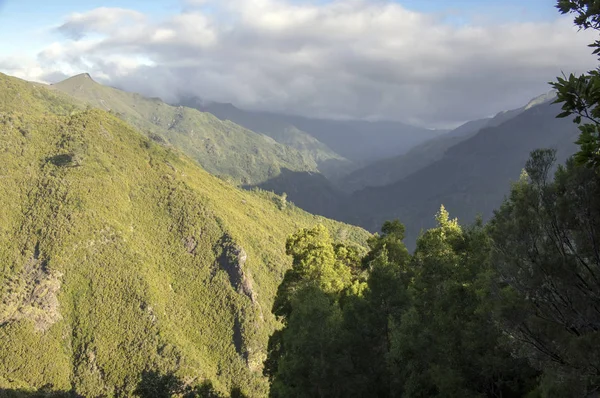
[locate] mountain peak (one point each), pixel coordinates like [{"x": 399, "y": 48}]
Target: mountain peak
[
  {"x": 81, "y": 78},
  {"x": 540, "y": 99}
]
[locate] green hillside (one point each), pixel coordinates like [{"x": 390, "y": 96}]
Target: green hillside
[
  {"x": 339, "y": 146},
  {"x": 118, "y": 255},
  {"x": 222, "y": 147},
  {"x": 329, "y": 163}
]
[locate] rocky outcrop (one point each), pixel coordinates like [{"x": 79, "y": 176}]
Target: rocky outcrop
[
  {"x": 247, "y": 317},
  {"x": 32, "y": 294},
  {"x": 232, "y": 260}
]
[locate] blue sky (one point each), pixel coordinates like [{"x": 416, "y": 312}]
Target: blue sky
[
  {"x": 26, "y": 25},
  {"x": 495, "y": 10}
]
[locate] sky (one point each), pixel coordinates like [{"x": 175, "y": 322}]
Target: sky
[{"x": 432, "y": 63}]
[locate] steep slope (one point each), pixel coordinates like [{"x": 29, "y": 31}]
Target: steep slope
[
  {"x": 222, "y": 147},
  {"x": 365, "y": 141},
  {"x": 119, "y": 255},
  {"x": 309, "y": 191},
  {"x": 355, "y": 140},
  {"x": 468, "y": 128},
  {"x": 471, "y": 177},
  {"x": 390, "y": 170},
  {"x": 329, "y": 163}
]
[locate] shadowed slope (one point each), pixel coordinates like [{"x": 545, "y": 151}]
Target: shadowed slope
[
  {"x": 390, "y": 170},
  {"x": 472, "y": 177}
]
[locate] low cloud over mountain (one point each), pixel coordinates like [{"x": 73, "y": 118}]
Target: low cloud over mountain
[{"x": 355, "y": 59}]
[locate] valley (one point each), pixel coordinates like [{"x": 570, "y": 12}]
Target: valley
[{"x": 278, "y": 199}]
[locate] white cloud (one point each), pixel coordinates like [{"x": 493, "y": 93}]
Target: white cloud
[
  {"x": 344, "y": 58},
  {"x": 101, "y": 20}
]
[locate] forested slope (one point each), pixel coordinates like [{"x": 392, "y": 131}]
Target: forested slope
[
  {"x": 222, "y": 147},
  {"x": 120, "y": 256}
]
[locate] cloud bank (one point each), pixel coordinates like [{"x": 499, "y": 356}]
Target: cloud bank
[{"x": 346, "y": 58}]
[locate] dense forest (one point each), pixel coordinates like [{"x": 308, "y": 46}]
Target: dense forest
[{"x": 506, "y": 309}]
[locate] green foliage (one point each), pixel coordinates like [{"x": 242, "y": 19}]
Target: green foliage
[
  {"x": 282, "y": 203},
  {"x": 587, "y": 12},
  {"x": 156, "y": 385},
  {"x": 117, "y": 256},
  {"x": 404, "y": 326},
  {"x": 314, "y": 259},
  {"x": 580, "y": 95},
  {"x": 221, "y": 147},
  {"x": 445, "y": 343},
  {"x": 307, "y": 357},
  {"x": 547, "y": 256},
  {"x": 391, "y": 241}
]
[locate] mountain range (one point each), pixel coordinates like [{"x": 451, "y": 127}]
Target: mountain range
[
  {"x": 471, "y": 177},
  {"x": 340, "y": 168},
  {"x": 223, "y": 148},
  {"x": 140, "y": 235},
  {"x": 343, "y": 145},
  {"x": 118, "y": 253},
  {"x": 390, "y": 170},
  {"x": 468, "y": 169}
]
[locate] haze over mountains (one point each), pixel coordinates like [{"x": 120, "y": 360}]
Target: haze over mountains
[
  {"x": 468, "y": 169},
  {"x": 358, "y": 141},
  {"x": 395, "y": 168},
  {"x": 472, "y": 177},
  {"x": 339, "y": 169}
]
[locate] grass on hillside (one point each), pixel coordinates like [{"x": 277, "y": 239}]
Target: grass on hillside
[
  {"x": 114, "y": 255},
  {"x": 222, "y": 147}
]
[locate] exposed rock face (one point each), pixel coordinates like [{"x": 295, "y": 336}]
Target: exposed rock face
[
  {"x": 232, "y": 260},
  {"x": 190, "y": 244},
  {"x": 32, "y": 294},
  {"x": 246, "y": 319}
]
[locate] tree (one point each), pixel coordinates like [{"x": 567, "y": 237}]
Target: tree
[
  {"x": 309, "y": 357},
  {"x": 547, "y": 253},
  {"x": 336, "y": 309},
  {"x": 580, "y": 95},
  {"x": 390, "y": 240},
  {"x": 446, "y": 343}
]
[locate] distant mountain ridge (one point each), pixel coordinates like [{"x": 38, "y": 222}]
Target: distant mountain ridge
[
  {"x": 357, "y": 141},
  {"x": 471, "y": 177},
  {"x": 328, "y": 162},
  {"x": 390, "y": 170},
  {"x": 221, "y": 147}
]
